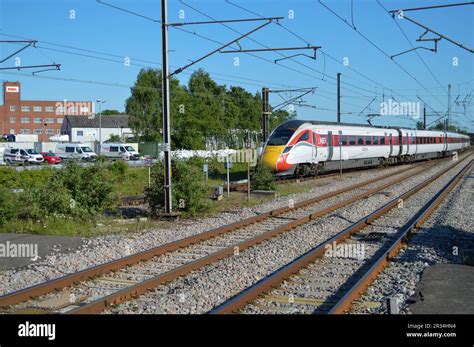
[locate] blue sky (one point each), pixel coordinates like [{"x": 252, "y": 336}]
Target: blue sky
[{"x": 100, "y": 28}]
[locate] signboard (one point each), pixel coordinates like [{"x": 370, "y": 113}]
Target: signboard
[
  {"x": 148, "y": 162},
  {"x": 12, "y": 89}
]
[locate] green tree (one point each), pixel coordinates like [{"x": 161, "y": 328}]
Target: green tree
[
  {"x": 420, "y": 125},
  {"x": 144, "y": 105},
  {"x": 109, "y": 112}
]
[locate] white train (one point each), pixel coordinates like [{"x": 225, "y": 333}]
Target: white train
[{"x": 303, "y": 148}]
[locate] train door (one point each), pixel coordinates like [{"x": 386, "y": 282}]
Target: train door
[
  {"x": 391, "y": 144},
  {"x": 314, "y": 155},
  {"x": 330, "y": 146},
  {"x": 408, "y": 143}
]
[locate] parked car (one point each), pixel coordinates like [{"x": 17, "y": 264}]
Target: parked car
[
  {"x": 35, "y": 157},
  {"x": 51, "y": 157},
  {"x": 75, "y": 151},
  {"x": 119, "y": 151},
  {"x": 22, "y": 156}
]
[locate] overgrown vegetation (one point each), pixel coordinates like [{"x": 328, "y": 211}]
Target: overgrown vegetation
[
  {"x": 262, "y": 178},
  {"x": 190, "y": 194},
  {"x": 74, "y": 193}
]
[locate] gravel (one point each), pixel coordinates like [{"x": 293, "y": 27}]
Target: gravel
[
  {"x": 451, "y": 225},
  {"x": 98, "y": 250},
  {"x": 206, "y": 288}
]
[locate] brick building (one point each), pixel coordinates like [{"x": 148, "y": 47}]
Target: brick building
[{"x": 40, "y": 117}]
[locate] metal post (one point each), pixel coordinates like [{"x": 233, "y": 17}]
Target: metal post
[
  {"x": 100, "y": 124},
  {"x": 228, "y": 177},
  {"x": 449, "y": 107},
  {"x": 265, "y": 114},
  {"x": 248, "y": 178},
  {"x": 166, "y": 110},
  {"x": 424, "y": 117},
  {"x": 340, "y": 155},
  {"x": 339, "y": 97},
  {"x": 100, "y": 102}
]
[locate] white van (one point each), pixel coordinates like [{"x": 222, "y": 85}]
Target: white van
[
  {"x": 119, "y": 151},
  {"x": 22, "y": 156},
  {"x": 75, "y": 151}
]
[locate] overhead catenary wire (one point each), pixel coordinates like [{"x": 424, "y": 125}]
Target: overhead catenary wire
[{"x": 375, "y": 46}]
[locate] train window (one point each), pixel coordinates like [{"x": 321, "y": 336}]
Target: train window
[
  {"x": 376, "y": 140},
  {"x": 352, "y": 140},
  {"x": 360, "y": 140},
  {"x": 343, "y": 140},
  {"x": 281, "y": 135},
  {"x": 304, "y": 137},
  {"x": 382, "y": 140},
  {"x": 368, "y": 140},
  {"x": 287, "y": 149}
]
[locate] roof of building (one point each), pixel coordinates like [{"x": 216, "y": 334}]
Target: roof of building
[{"x": 108, "y": 121}]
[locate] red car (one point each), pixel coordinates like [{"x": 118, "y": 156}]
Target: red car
[{"x": 51, "y": 158}]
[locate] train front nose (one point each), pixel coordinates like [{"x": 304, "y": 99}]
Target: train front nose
[{"x": 271, "y": 155}]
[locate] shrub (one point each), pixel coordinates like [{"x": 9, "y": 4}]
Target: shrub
[
  {"x": 90, "y": 186},
  {"x": 189, "y": 193},
  {"x": 51, "y": 199},
  {"x": 8, "y": 206},
  {"x": 13, "y": 179},
  {"x": 262, "y": 178},
  {"x": 119, "y": 169},
  {"x": 101, "y": 159}
]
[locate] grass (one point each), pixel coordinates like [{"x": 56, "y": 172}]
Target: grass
[{"x": 132, "y": 183}]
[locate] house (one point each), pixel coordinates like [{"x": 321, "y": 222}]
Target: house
[{"x": 95, "y": 128}]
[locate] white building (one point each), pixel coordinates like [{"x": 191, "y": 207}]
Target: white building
[{"x": 90, "y": 129}]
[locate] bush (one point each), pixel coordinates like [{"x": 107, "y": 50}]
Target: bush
[
  {"x": 8, "y": 206},
  {"x": 189, "y": 192},
  {"x": 50, "y": 200},
  {"x": 13, "y": 179},
  {"x": 262, "y": 178},
  {"x": 119, "y": 169},
  {"x": 90, "y": 186}
]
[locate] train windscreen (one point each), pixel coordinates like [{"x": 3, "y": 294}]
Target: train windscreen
[{"x": 282, "y": 134}]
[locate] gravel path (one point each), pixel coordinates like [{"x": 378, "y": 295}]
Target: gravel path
[
  {"x": 103, "y": 249},
  {"x": 206, "y": 288},
  {"x": 446, "y": 237}
]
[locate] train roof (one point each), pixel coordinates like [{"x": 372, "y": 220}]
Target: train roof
[
  {"x": 299, "y": 122},
  {"x": 296, "y": 123}
]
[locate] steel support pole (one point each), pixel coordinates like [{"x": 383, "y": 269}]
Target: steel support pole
[
  {"x": 424, "y": 117},
  {"x": 265, "y": 114},
  {"x": 449, "y": 107},
  {"x": 166, "y": 109},
  {"x": 339, "y": 97}
]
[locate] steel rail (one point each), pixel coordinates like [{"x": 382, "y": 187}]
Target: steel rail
[
  {"x": 345, "y": 303},
  {"x": 68, "y": 280},
  {"x": 253, "y": 292},
  {"x": 140, "y": 288}
]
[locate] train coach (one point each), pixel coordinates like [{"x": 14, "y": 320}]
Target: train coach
[{"x": 304, "y": 148}]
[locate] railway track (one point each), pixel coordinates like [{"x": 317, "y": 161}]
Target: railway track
[
  {"x": 96, "y": 289},
  {"x": 331, "y": 277}
]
